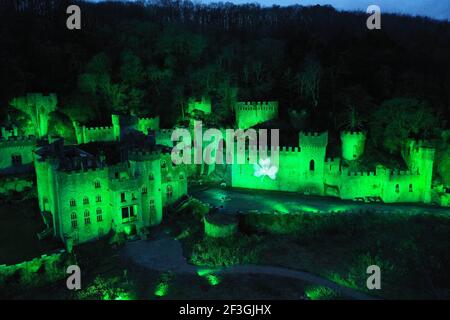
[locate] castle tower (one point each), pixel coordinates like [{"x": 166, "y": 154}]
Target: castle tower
[
  {"x": 420, "y": 158},
  {"x": 116, "y": 126},
  {"x": 352, "y": 144},
  {"x": 313, "y": 148}
]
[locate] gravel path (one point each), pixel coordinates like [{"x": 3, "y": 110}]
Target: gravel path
[{"x": 167, "y": 255}]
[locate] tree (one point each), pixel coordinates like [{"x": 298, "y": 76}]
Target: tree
[
  {"x": 309, "y": 80},
  {"x": 398, "y": 119},
  {"x": 38, "y": 108}
]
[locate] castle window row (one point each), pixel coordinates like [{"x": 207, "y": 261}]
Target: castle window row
[
  {"x": 87, "y": 218},
  {"x": 73, "y": 203},
  {"x": 397, "y": 188}
]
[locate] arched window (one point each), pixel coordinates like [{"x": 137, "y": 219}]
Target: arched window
[
  {"x": 397, "y": 188},
  {"x": 151, "y": 177},
  {"x": 410, "y": 187},
  {"x": 144, "y": 190},
  {"x": 311, "y": 165},
  {"x": 85, "y": 200},
  {"x": 73, "y": 203},
  {"x": 181, "y": 176},
  {"x": 73, "y": 220},
  {"x": 99, "y": 215},
  {"x": 169, "y": 191},
  {"x": 97, "y": 184},
  {"x": 87, "y": 217},
  {"x": 163, "y": 164},
  {"x": 152, "y": 205},
  {"x": 98, "y": 199}
]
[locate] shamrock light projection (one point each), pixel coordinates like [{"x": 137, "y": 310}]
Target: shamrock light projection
[{"x": 265, "y": 168}]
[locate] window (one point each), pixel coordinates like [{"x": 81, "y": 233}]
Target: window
[
  {"x": 87, "y": 217},
  {"x": 133, "y": 197},
  {"x": 85, "y": 200},
  {"x": 181, "y": 176},
  {"x": 97, "y": 184},
  {"x": 152, "y": 205},
  {"x": 144, "y": 190},
  {"x": 98, "y": 199},
  {"x": 123, "y": 197},
  {"x": 16, "y": 160},
  {"x": 397, "y": 188},
  {"x": 410, "y": 187},
  {"x": 169, "y": 191},
  {"x": 73, "y": 220},
  {"x": 72, "y": 203},
  {"x": 151, "y": 177},
  {"x": 311, "y": 165},
  {"x": 99, "y": 215},
  {"x": 128, "y": 214},
  {"x": 163, "y": 164}
]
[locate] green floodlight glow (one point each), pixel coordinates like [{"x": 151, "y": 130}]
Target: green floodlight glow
[
  {"x": 123, "y": 296},
  {"x": 320, "y": 293},
  {"x": 127, "y": 230},
  {"x": 213, "y": 280},
  {"x": 265, "y": 168},
  {"x": 162, "y": 289},
  {"x": 207, "y": 273}
]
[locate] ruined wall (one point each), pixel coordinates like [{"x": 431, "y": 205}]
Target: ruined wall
[
  {"x": 20, "y": 148},
  {"x": 249, "y": 114}
]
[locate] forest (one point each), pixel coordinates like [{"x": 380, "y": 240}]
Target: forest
[{"x": 326, "y": 69}]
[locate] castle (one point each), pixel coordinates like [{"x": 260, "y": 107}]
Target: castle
[
  {"x": 84, "y": 195},
  {"x": 306, "y": 170},
  {"x": 120, "y": 177}
]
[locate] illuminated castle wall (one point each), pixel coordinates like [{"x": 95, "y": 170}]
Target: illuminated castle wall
[
  {"x": 16, "y": 153},
  {"x": 249, "y": 114},
  {"x": 90, "y": 199},
  {"x": 305, "y": 170},
  {"x": 112, "y": 133}
]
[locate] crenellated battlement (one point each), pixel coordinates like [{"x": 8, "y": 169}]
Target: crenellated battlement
[
  {"x": 359, "y": 134},
  {"x": 82, "y": 172},
  {"x": 400, "y": 173},
  {"x": 17, "y": 140},
  {"x": 98, "y": 128},
  {"x": 313, "y": 139},
  {"x": 361, "y": 173},
  {"x": 257, "y": 105},
  {"x": 143, "y": 154}
]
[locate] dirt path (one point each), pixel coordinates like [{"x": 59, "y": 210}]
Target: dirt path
[{"x": 167, "y": 255}]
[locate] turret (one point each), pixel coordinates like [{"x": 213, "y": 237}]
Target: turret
[{"x": 353, "y": 144}]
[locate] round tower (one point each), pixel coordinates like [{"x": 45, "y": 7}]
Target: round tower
[{"x": 352, "y": 144}]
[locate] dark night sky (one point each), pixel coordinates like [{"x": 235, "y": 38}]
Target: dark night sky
[{"x": 438, "y": 9}]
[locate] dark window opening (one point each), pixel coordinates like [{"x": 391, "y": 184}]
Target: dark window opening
[
  {"x": 16, "y": 160},
  {"x": 87, "y": 217},
  {"x": 311, "y": 165},
  {"x": 128, "y": 214}
]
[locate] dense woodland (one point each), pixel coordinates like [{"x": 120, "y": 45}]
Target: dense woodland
[{"x": 326, "y": 69}]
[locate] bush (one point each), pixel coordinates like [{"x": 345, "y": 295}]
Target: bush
[{"x": 218, "y": 252}]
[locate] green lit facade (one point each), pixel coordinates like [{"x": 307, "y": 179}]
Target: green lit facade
[
  {"x": 82, "y": 203},
  {"x": 305, "y": 169}
]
